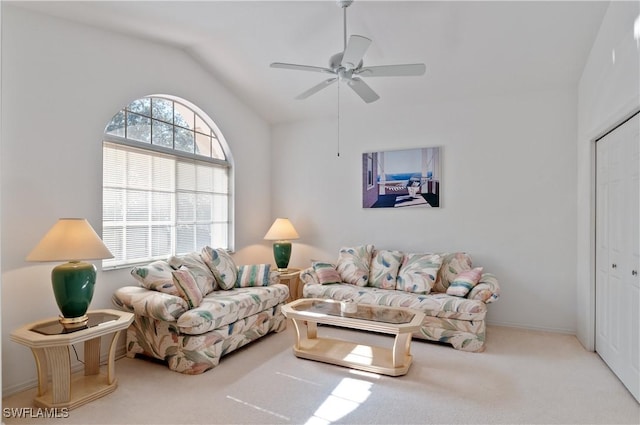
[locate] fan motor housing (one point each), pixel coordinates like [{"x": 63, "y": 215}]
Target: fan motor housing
[{"x": 335, "y": 62}]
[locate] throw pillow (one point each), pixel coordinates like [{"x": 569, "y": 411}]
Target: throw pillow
[
  {"x": 196, "y": 265},
  {"x": 353, "y": 264},
  {"x": 463, "y": 283},
  {"x": 418, "y": 273},
  {"x": 326, "y": 272},
  {"x": 253, "y": 275},
  {"x": 187, "y": 287},
  {"x": 156, "y": 276},
  {"x": 452, "y": 265},
  {"x": 384, "y": 269},
  {"x": 221, "y": 265}
]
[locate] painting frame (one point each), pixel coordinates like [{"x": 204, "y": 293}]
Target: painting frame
[{"x": 402, "y": 178}]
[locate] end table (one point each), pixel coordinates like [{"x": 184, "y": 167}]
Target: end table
[
  {"x": 50, "y": 343},
  {"x": 291, "y": 278}
]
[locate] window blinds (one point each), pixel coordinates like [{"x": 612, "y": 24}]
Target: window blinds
[{"x": 156, "y": 205}]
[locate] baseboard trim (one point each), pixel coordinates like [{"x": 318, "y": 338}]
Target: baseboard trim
[{"x": 532, "y": 328}]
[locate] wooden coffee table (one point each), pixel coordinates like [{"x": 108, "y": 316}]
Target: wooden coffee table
[{"x": 398, "y": 321}]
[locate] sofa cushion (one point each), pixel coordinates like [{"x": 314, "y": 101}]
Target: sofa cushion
[
  {"x": 384, "y": 268},
  {"x": 452, "y": 265},
  {"x": 463, "y": 283},
  {"x": 418, "y": 273},
  {"x": 201, "y": 272},
  {"x": 353, "y": 264},
  {"x": 435, "y": 305},
  {"x": 220, "y": 308},
  {"x": 154, "y": 304},
  {"x": 187, "y": 286},
  {"x": 221, "y": 265},
  {"x": 253, "y": 275},
  {"x": 156, "y": 276},
  {"x": 326, "y": 273}
]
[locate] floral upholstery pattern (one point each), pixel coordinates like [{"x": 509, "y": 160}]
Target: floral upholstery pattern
[
  {"x": 452, "y": 265},
  {"x": 221, "y": 308},
  {"x": 191, "y": 338},
  {"x": 384, "y": 268},
  {"x": 195, "y": 354},
  {"x": 187, "y": 286},
  {"x": 156, "y": 276},
  {"x": 221, "y": 265},
  {"x": 487, "y": 290},
  {"x": 353, "y": 264},
  {"x": 464, "y": 282},
  {"x": 455, "y": 320},
  {"x": 201, "y": 272},
  {"x": 418, "y": 273},
  {"x": 436, "y": 305},
  {"x": 461, "y": 334},
  {"x": 143, "y": 302},
  {"x": 326, "y": 272}
]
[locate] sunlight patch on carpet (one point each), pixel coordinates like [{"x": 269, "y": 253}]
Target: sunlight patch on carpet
[
  {"x": 345, "y": 398},
  {"x": 306, "y": 381},
  {"x": 261, "y": 409}
]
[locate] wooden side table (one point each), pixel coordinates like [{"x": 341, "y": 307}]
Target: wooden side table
[
  {"x": 291, "y": 277},
  {"x": 50, "y": 343}
]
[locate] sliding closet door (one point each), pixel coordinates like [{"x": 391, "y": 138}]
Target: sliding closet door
[{"x": 618, "y": 252}]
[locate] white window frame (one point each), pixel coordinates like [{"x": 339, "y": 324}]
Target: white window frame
[{"x": 219, "y": 157}]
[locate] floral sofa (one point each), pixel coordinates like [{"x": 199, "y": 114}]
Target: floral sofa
[
  {"x": 192, "y": 310},
  {"x": 445, "y": 286}
]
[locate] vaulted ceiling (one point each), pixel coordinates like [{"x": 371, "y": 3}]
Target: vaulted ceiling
[{"x": 471, "y": 49}]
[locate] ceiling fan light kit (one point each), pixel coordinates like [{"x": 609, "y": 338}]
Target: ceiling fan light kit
[{"x": 347, "y": 66}]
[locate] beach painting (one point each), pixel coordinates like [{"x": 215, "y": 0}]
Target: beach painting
[{"x": 408, "y": 178}]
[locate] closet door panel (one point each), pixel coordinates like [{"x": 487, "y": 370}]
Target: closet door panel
[
  {"x": 632, "y": 287},
  {"x": 618, "y": 252}
]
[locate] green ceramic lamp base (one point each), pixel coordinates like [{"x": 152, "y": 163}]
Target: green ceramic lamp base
[
  {"x": 73, "y": 285},
  {"x": 282, "y": 254}
]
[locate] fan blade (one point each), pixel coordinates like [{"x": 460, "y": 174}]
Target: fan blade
[
  {"x": 301, "y": 67},
  {"x": 355, "y": 51},
  {"x": 405, "y": 70},
  {"x": 363, "y": 90},
  {"x": 316, "y": 88}
]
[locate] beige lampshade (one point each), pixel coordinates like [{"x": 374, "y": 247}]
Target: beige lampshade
[
  {"x": 281, "y": 230},
  {"x": 70, "y": 239}
]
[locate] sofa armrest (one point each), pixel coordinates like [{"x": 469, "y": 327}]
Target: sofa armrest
[
  {"x": 144, "y": 302},
  {"x": 487, "y": 289},
  {"x": 308, "y": 276},
  {"x": 274, "y": 277}
]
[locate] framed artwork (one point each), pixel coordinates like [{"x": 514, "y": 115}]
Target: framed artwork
[{"x": 408, "y": 178}]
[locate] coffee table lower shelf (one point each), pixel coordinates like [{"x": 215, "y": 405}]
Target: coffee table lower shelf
[{"x": 353, "y": 355}]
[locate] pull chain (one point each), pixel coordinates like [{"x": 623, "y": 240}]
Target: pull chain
[{"x": 339, "y": 84}]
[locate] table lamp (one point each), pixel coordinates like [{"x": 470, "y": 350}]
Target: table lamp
[
  {"x": 72, "y": 240},
  {"x": 281, "y": 232}
]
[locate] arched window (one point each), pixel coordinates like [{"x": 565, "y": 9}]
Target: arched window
[{"x": 166, "y": 182}]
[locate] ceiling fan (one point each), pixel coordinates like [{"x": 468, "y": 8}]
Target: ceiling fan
[{"x": 347, "y": 66}]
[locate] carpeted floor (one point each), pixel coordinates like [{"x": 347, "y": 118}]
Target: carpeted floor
[{"x": 524, "y": 377}]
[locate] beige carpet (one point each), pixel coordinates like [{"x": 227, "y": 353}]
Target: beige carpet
[{"x": 524, "y": 377}]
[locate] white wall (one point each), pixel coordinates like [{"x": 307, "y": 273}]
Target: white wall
[
  {"x": 0, "y": 190},
  {"x": 61, "y": 84},
  {"x": 507, "y": 194},
  {"x": 609, "y": 91}
]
